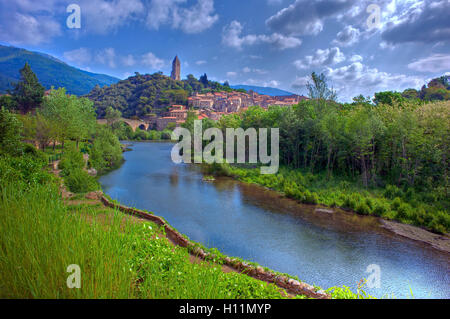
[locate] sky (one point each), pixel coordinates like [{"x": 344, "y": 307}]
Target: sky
[{"x": 362, "y": 47}]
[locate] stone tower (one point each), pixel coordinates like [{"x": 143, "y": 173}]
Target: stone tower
[{"x": 176, "y": 69}]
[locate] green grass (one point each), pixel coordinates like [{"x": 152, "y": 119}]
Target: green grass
[{"x": 40, "y": 237}]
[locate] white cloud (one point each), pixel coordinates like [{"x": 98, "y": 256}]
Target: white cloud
[
  {"x": 347, "y": 37},
  {"x": 107, "y": 57},
  {"x": 201, "y": 62},
  {"x": 151, "y": 60},
  {"x": 356, "y": 58},
  {"x": 357, "y": 78},
  {"x": 194, "y": 19},
  {"x": 256, "y": 71},
  {"x": 106, "y": 16},
  {"x": 21, "y": 28},
  {"x": 128, "y": 60},
  {"x": 320, "y": 58},
  {"x": 300, "y": 82},
  {"x": 305, "y": 17},
  {"x": 231, "y": 74},
  {"x": 80, "y": 57},
  {"x": 418, "y": 21},
  {"x": 231, "y": 37},
  {"x": 434, "y": 63}
]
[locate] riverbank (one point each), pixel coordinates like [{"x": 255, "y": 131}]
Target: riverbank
[{"x": 395, "y": 215}]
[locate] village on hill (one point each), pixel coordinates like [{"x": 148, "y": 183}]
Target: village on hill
[{"x": 214, "y": 105}]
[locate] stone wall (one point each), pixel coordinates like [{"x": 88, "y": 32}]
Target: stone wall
[{"x": 292, "y": 286}]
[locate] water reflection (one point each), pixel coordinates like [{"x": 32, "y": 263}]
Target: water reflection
[{"x": 257, "y": 224}]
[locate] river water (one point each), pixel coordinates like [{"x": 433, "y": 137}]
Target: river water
[{"x": 259, "y": 225}]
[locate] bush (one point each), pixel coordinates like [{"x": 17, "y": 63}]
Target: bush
[
  {"x": 79, "y": 181},
  {"x": 392, "y": 191},
  {"x": 363, "y": 209},
  {"x": 106, "y": 151},
  {"x": 26, "y": 169},
  {"x": 71, "y": 160}
]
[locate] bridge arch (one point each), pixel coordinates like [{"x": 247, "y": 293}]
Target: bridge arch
[{"x": 134, "y": 124}]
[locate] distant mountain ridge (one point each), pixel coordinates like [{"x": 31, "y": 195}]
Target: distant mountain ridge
[
  {"x": 49, "y": 70},
  {"x": 263, "y": 90}
]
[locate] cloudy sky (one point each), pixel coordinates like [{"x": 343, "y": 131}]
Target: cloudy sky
[{"x": 362, "y": 46}]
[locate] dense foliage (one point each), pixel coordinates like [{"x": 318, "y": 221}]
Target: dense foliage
[
  {"x": 69, "y": 117},
  {"x": 394, "y": 153},
  {"x": 106, "y": 151},
  {"x": 28, "y": 92},
  {"x": 141, "y": 95},
  {"x": 50, "y": 71}
]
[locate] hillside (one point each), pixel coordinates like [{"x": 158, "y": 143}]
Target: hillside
[
  {"x": 141, "y": 95},
  {"x": 49, "y": 70},
  {"x": 263, "y": 90}
]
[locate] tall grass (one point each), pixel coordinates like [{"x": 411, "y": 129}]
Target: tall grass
[{"x": 40, "y": 237}]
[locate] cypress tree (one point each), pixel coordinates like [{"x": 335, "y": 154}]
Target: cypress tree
[{"x": 28, "y": 92}]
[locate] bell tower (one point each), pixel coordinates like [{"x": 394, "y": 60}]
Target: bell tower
[{"x": 176, "y": 69}]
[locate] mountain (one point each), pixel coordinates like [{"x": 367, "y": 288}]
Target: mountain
[
  {"x": 263, "y": 90},
  {"x": 49, "y": 70}
]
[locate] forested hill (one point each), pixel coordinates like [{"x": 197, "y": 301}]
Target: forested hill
[
  {"x": 49, "y": 70},
  {"x": 263, "y": 90},
  {"x": 141, "y": 95}
]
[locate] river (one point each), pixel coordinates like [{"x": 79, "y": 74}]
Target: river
[{"x": 259, "y": 225}]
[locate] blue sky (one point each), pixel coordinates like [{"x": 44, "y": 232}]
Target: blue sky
[{"x": 275, "y": 43}]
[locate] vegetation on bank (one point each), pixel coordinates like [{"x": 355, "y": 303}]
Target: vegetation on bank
[
  {"x": 385, "y": 159},
  {"x": 42, "y": 235},
  {"x": 118, "y": 257}
]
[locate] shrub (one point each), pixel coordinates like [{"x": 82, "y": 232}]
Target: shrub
[
  {"x": 380, "y": 208},
  {"x": 396, "y": 203},
  {"x": 79, "y": 181},
  {"x": 106, "y": 152},
  {"x": 26, "y": 169},
  {"x": 404, "y": 211},
  {"x": 363, "y": 209},
  {"x": 71, "y": 160},
  {"x": 392, "y": 191}
]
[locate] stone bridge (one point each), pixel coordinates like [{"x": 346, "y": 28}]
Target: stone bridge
[{"x": 134, "y": 124}]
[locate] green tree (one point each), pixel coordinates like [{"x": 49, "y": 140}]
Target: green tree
[
  {"x": 318, "y": 88},
  {"x": 71, "y": 117},
  {"x": 10, "y": 133},
  {"x": 106, "y": 152},
  {"x": 8, "y": 102},
  {"x": 112, "y": 115},
  {"x": 28, "y": 92},
  {"x": 388, "y": 97}
]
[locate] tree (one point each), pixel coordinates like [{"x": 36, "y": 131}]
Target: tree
[
  {"x": 71, "y": 117},
  {"x": 204, "y": 80},
  {"x": 43, "y": 131},
  {"x": 112, "y": 115},
  {"x": 388, "y": 97},
  {"x": 8, "y": 102},
  {"x": 319, "y": 88},
  {"x": 28, "y": 92},
  {"x": 10, "y": 132},
  {"x": 106, "y": 152}
]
